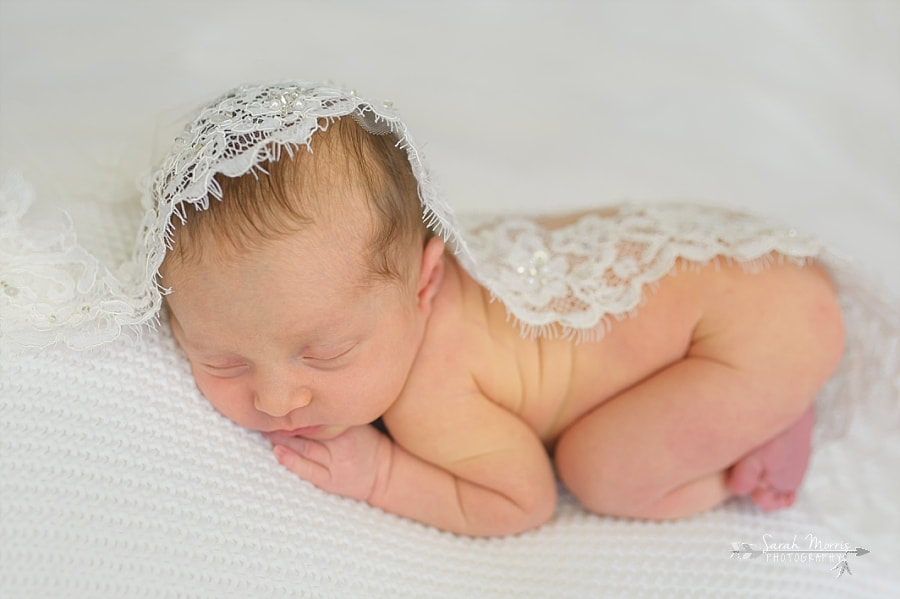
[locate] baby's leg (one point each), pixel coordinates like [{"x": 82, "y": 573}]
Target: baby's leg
[
  {"x": 662, "y": 449},
  {"x": 742, "y": 397},
  {"x": 771, "y": 473}
]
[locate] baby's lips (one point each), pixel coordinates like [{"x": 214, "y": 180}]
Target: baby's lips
[{"x": 297, "y": 432}]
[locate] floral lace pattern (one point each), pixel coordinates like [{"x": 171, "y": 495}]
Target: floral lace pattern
[
  {"x": 53, "y": 290},
  {"x": 572, "y": 279},
  {"x": 251, "y": 125},
  {"x": 67, "y": 295}
]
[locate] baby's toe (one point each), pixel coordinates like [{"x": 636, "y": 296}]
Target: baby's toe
[{"x": 769, "y": 499}]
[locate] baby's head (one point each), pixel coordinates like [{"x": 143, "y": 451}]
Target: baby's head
[
  {"x": 364, "y": 181},
  {"x": 301, "y": 297}
]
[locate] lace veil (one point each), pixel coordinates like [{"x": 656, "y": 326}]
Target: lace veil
[
  {"x": 571, "y": 277},
  {"x": 54, "y": 290}
]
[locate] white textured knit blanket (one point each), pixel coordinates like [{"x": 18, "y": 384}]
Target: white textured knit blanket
[{"x": 119, "y": 480}]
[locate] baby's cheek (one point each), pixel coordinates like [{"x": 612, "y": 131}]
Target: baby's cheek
[{"x": 226, "y": 396}]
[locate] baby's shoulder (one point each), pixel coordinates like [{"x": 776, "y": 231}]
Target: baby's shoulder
[
  {"x": 461, "y": 327},
  {"x": 442, "y": 397},
  {"x": 467, "y": 334}
]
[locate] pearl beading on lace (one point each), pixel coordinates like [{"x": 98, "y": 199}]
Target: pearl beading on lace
[
  {"x": 285, "y": 101},
  {"x": 536, "y": 270}
]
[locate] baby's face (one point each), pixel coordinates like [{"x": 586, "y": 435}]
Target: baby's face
[{"x": 286, "y": 339}]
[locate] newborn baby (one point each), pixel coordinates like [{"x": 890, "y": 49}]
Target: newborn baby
[{"x": 312, "y": 298}]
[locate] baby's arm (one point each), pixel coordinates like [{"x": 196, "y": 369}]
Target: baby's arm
[{"x": 471, "y": 468}]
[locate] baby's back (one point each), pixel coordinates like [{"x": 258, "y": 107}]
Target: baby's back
[{"x": 551, "y": 382}]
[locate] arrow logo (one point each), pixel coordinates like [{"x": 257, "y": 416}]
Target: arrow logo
[
  {"x": 748, "y": 551},
  {"x": 744, "y": 551}
]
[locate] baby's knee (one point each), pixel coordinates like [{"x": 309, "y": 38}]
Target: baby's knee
[
  {"x": 601, "y": 483},
  {"x": 622, "y": 498},
  {"x": 618, "y": 503}
]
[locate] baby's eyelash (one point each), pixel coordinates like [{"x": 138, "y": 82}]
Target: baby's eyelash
[
  {"x": 331, "y": 357},
  {"x": 220, "y": 368}
]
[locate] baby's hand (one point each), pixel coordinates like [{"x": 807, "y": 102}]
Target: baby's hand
[{"x": 349, "y": 464}]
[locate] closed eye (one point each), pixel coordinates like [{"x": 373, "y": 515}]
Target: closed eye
[
  {"x": 225, "y": 371},
  {"x": 329, "y": 356}
]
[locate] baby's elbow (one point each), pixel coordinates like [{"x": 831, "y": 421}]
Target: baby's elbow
[
  {"x": 540, "y": 508},
  {"x": 534, "y": 509},
  {"x": 519, "y": 514}
]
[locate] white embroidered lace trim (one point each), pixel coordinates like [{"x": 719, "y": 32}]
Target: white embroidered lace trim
[
  {"x": 575, "y": 279},
  {"x": 52, "y": 289},
  {"x": 569, "y": 280},
  {"x": 572, "y": 279},
  {"x": 55, "y": 291},
  {"x": 251, "y": 125}
]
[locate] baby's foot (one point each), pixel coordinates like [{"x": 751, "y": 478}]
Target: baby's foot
[{"x": 771, "y": 473}]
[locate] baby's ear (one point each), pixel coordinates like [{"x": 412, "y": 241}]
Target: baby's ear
[{"x": 431, "y": 274}]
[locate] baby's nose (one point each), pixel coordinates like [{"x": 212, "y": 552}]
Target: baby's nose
[{"x": 277, "y": 403}]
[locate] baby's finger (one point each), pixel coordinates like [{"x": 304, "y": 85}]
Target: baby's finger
[
  {"x": 306, "y": 469},
  {"x": 311, "y": 450}
]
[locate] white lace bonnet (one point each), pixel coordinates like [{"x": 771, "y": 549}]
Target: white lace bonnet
[{"x": 233, "y": 135}]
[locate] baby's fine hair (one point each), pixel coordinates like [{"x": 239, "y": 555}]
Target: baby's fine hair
[{"x": 288, "y": 194}]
